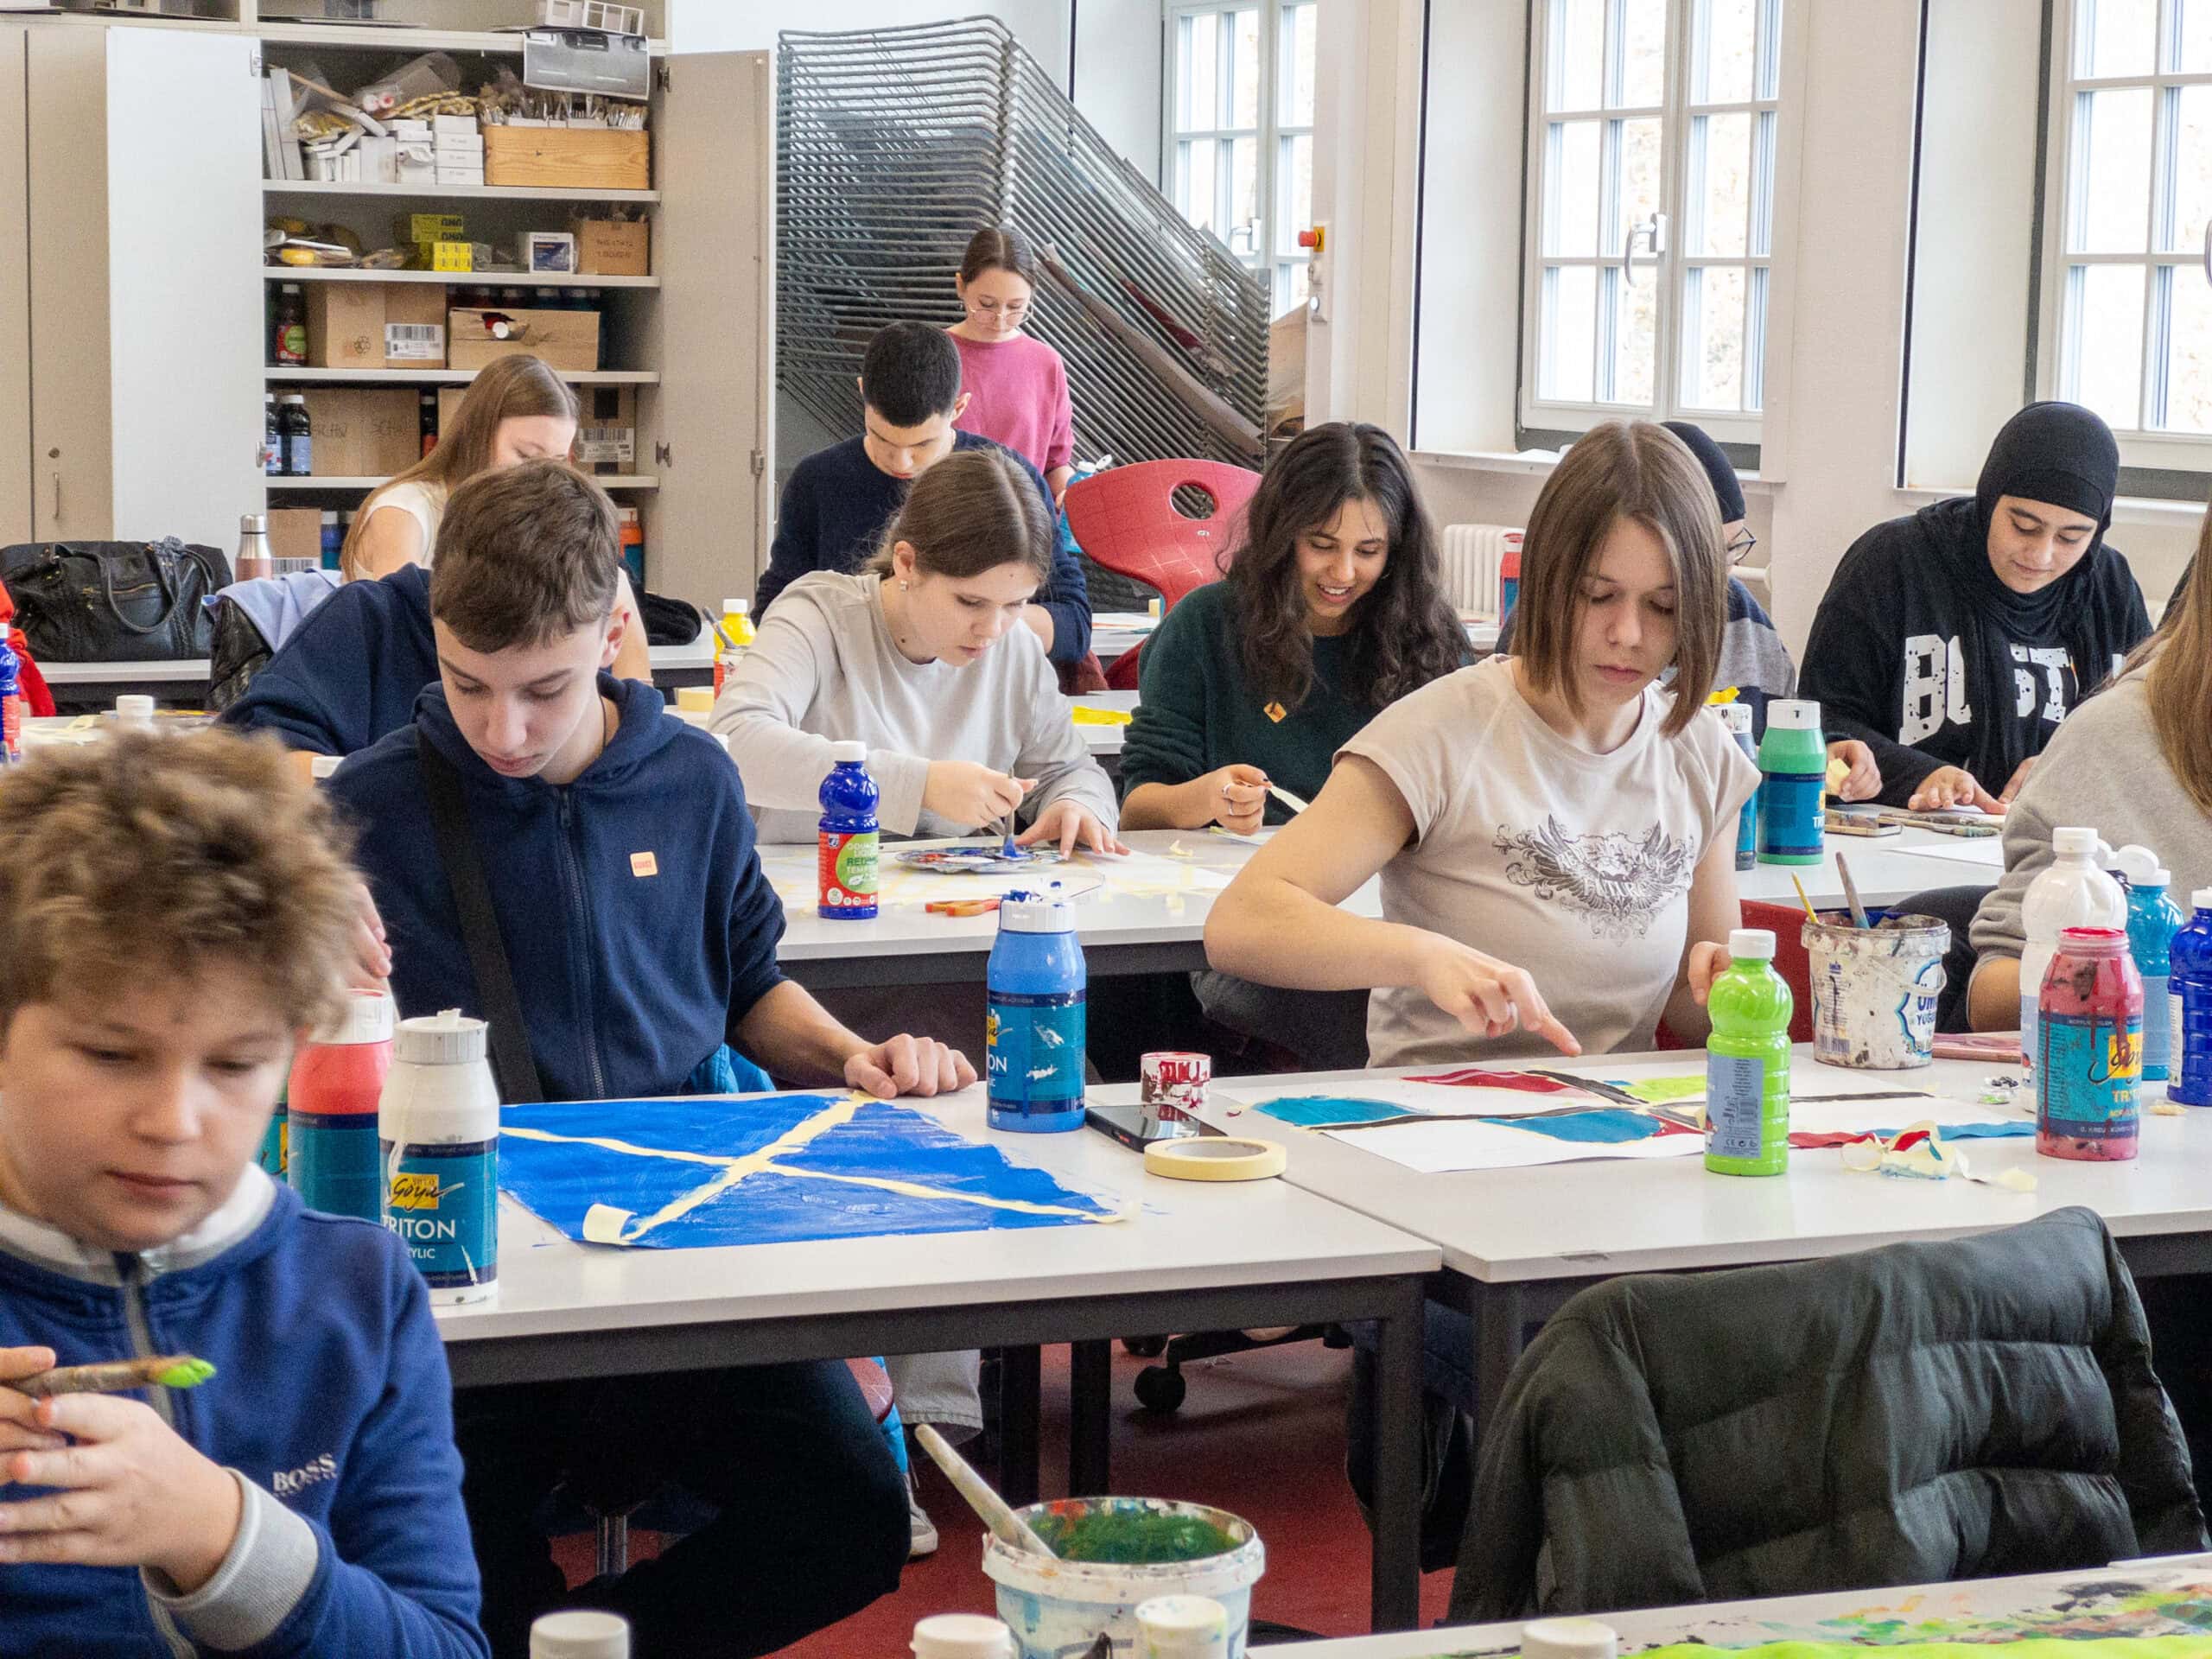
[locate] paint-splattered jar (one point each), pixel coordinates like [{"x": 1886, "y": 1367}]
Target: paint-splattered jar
[{"x": 2089, "y": 1048}]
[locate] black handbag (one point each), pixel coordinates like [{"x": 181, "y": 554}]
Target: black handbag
[
  {"x": 238, "y": 651},
  {"x": 114, "y": 602}
]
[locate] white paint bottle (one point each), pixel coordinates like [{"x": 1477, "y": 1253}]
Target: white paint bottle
[
  {"x": 580, "y": 1635},
  {"x": 438, "y": 1130}
]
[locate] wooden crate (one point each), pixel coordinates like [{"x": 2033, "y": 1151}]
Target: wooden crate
[{"x": 581, "y": 158}]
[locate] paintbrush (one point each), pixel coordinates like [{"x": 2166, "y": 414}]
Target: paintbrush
[
  {"x": 1006, "y": 849},
  {"x": 117, "y": 1376},
  {"x": 1850, "y": 892},
  {"x": 1811, "y": 915},
  {"x": 1287, "y": 797},
  {"x": 1005, "y": 1525}
]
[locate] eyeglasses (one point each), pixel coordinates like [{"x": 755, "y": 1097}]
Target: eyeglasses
[
  {"x": 1740, "y": 548},
  {"x": 990, "y": 307}
]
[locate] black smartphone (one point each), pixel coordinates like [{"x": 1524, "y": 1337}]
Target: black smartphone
[{"x": 1138, "y": 1126}]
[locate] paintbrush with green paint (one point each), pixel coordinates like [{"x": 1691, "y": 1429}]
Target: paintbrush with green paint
[
  {"x": 117, "y": 1376},
  {"x": 1005, "y": 1525}
]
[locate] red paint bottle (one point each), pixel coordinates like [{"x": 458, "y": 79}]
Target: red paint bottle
[{"x": 2089, "y": 1048}]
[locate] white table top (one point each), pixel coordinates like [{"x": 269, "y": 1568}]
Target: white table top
[
  {"x": 1179, "y": 1235},
  {"x": 1601, "y": 1217},
  {"x": 1104, "y": 740},
  {"x": 1113, "y": 632},
  {"x": 1837, "y": 1618}
]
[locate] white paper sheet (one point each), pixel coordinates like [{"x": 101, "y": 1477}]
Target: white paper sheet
[{"x": 1437, "y": 1149}]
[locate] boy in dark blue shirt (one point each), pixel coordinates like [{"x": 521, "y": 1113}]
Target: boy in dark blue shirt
[
  {"x": 174, "y": 914},
  {"x": 838, "y": 500},
  {"x": 618, "y": 859}
]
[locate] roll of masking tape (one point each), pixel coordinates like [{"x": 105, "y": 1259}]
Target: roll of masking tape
[
  {"x": 1567, "y": 1638},
  {"x": 1209, "y": 1157}
]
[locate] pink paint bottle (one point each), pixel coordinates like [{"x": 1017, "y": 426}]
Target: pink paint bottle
[
  {"x": 2089, "y": 1048},
  {"x": 331, "y": 1107}
]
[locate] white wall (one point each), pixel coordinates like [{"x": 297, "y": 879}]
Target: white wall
[
  {"x": 750, "y": 25},
  {"x": 1118, "y": 76}
]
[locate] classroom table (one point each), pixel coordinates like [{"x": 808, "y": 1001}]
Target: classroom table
[
  {"x": 1103, "y": 740},
  {"x": 1191, "y": 1256},
  {"x": 1518, "y": 1243},
  {"x": 1114, "y": 633},
  {"x": 1980, "y": 1609}
]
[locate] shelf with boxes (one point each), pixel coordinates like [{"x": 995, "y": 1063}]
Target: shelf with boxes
[
  {"x": 480, "y": 191},
  {"x": 453, "y": 278}
]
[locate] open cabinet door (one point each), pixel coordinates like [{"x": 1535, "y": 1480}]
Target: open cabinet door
[
  {"x": 14, "y": 294},
  {"x": 707, "y": 530}
]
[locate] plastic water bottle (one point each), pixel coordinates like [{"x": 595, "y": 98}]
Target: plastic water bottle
[
  {"x": 2090, "y": 1053},
  {"x": 11, "y": 699},
  {"x": 330, "y": 1106},
  {"x": 963, "y": 1636},
  {"x": 2191, "y": 988},
  {"x": 438, "y": 1128},
  {"x": 1794, "y": 767},
  {"x": 1737, "y": 717},
  {"x": 2074, "y": 892},
  {"x": 847, "y": 857},
  {"x": 2152, "y": 920},
  {"x": 580, "y": 1634},
  {"x": 1036, "y": 988},
  {"x": 1747, "y": 1061}
]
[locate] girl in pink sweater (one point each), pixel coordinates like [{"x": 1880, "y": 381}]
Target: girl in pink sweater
[{"x": 1017, "y": 387}]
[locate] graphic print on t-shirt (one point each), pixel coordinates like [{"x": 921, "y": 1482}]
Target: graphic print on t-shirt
[
  {"x": 1616, "y": 882},
  {"x": 1936, "y": 685}
]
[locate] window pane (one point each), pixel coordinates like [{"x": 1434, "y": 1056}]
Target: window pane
[
  {"x": 2194, "y": 36},
  {"x": 1643, "y": 53},
  {"x": 2188, "y": 353},
  {"x": 2192, "y": 154},
  {"x": 1569, "y": 332},
  {"x": 1299, "y": 24},
  {"x": 1577, "y": 46},
  {"x": 2114, "y": 37},
  {"x": 1713, "y": 338},
  {"x": 1201, "y": 192},
  {"x": 1571, "y": 199},
  {"x": 1202, "y": 82},
  {"x": 1638, "y": 185},
  {"x": 1720, "y": 171},
  {"x": 2112, "y": 148},
  {"x": 1245, "y": 86},
  {"x": 2104, "y": 333},
  {"x": 1635, "y": 337},
  {"x": 1769, "y": 45},
  {"x": 1244, "y": 193},
  {"x": 1293, "y": 194},
  {"x": 1722, "y": 72},
  {"x": 1762, "y": 184},
  {"x": 1291, "y": 285}
]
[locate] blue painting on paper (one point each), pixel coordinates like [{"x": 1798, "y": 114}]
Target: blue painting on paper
[{"x": 772, "y": 1169}]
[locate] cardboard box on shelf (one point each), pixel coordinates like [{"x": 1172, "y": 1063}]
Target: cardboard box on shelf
[
  {"x": 606, "y": 433},
  {"x": 566, "y": 340},
  {"x": 364, "y": 431},
  {"x": 613, "y": 247},
  {"x": 295, "y": 532},
  {"x": 584, "y": 158},
  {"x": 376, "y": 325}
]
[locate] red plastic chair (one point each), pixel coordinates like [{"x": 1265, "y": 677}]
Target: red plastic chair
[
  {"x": 1791, "y": 961},
  {"x": 1125, "y": 518}
]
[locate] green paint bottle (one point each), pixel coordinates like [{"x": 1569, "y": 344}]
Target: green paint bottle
[
  {"x": 1792, "y": 768},
  {"x": 1747, "y": 1061}
]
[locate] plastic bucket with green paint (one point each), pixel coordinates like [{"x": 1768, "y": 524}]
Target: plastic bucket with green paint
[{"x": 1056, "y": 1608}]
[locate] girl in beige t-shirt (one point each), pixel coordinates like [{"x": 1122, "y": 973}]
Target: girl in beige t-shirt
[{"x": 1554, "y": 832}]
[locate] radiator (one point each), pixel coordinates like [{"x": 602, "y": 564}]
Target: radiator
[{"x": 1471, "y": 553}]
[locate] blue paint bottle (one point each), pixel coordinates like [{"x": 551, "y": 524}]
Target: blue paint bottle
[
  {"x": 2152, "y": 920},
  {"x": 1033, "y": 1033},
  {"x": 846, "y": 856},
  {"x": 1737, "y": 717},
  {"x": 2190, "y": 990}
]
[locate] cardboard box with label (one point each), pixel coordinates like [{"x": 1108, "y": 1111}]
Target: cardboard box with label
[
  {"x": 606, "y": 429},
  {"x": 565, "y": 340},
  {"x": 377, "y": 325},
  {"x": 613, "y": 247},
  {"x": 295, "y": 532},
  {"x": 364, "y": 431}
]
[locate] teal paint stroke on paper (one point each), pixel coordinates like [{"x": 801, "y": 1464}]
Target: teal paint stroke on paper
[{"x": 1330, "y": 1111}]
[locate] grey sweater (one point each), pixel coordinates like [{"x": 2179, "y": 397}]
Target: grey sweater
[
  {"x": 2102, "y": 769},
  {"x": 824, "y": 668}
]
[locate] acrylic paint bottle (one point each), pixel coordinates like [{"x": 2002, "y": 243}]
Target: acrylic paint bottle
[
  {"x": 1737, "y": 717},
  {"x": 11, "y": 699},
  {"x": 2152, "y": 920},
  {"x": 847, "y": 855},
  {"x": 2191, "y": 1005},
  {"x": 1509, "y": 578},
  {"x": 2073, "y": 891},
  {"x": 438, "y": 1130},
  {"x": 330, "y": 1106},
  {"x": 1747, "y": 1061},
  {"x": 1036, "y": 989},
  {"x": 962, "y": 1636},
  {"x": 1794, "y": 768},
  {"x": 1182, "y": 1627},
  {"x": 2090, "y": 1053},
  {"x": 580, "y": 1634}
]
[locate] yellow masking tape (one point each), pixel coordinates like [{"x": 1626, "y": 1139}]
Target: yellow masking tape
[{"x": 1209, "y": 1159}]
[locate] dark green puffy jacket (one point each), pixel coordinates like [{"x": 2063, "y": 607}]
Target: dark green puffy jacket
[{"x": 1911, "y": 1414}]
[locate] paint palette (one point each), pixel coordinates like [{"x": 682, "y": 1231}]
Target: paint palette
[{"x": 981, "y": 858}]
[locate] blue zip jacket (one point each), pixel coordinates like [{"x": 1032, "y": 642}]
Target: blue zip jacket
[
  {"x": 352, "y": 671},
  {"x": 331, "y": 1405},
  {"x": 638, "y": 926}
]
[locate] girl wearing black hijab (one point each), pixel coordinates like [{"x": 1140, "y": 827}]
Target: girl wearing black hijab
[{"x": 1954, "y": 640}]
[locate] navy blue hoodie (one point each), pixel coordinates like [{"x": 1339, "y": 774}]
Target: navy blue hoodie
[
  {"x": 352, "y": 671},
  {"x": 632, "y": 969}
]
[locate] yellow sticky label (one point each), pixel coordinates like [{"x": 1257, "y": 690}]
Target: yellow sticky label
[
  {"x": 643, "y": 864},
  {"x": 412, "y": 1190},
  {"x": 2124, "y": 1056},
  {"x": 1276, "y": 712}
]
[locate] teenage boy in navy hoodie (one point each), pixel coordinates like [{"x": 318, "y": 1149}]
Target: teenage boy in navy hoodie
[
  {"x": 641, "y": 934},
  {"x": 307, "y": 1499}
]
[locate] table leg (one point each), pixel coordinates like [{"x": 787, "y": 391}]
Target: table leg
[
  {"x": 1021, "y": 1382},
  {"x": 1090, "y": 1401},
  {"x": 1499, "y": 1314},
  {"x": 1395, "y": 1595}
]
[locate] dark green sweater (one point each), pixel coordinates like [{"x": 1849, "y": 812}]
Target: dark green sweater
[{"x": 1195, "y": 712}]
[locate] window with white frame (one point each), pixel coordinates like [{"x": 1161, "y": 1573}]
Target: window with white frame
[
  {"x": 2125, "y": 324},
  {"x": 1654, "y": 126},
  {"x": 1239, "y": 108}
]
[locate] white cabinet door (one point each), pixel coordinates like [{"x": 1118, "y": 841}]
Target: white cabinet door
[
  {"x": 713, "y": 243},
  {"x": 15, "y": 296}
]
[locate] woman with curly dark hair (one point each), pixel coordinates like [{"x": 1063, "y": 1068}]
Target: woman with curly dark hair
[{"x": 1333, "y": 609}]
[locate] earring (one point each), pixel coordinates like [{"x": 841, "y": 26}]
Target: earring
[{"x": 903, "y": 585}]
